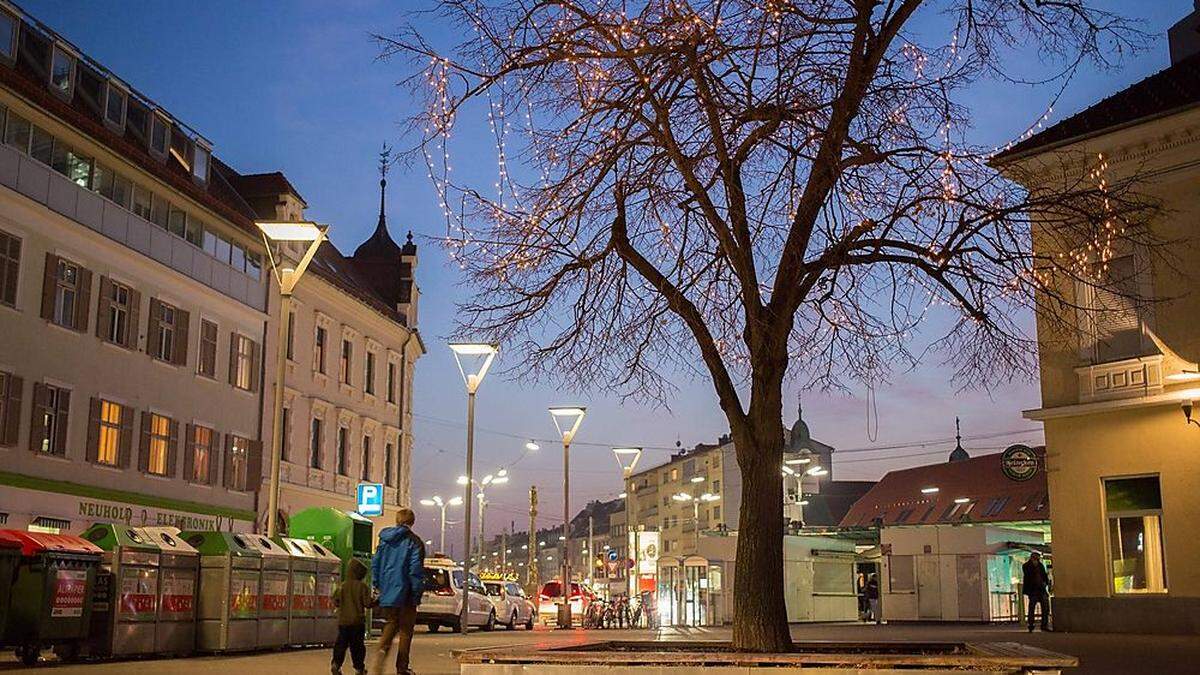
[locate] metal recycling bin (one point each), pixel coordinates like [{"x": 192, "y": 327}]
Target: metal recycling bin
[
  {"x": 132, "y": 559},
  {"x": 276, "y": 594},
  {"x": 329, "y": 574},
  {"x": 178, "y": 583},
  {"x": 10, "y": 558},
  {"x": 51, "y": 594},
  {"x": 302, "y": 609},
  {"x": 230, "y": 581},
  {"x": 345, "y": 533}
]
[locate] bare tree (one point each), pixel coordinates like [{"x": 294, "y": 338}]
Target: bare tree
[{"x": 768, "y": 188}]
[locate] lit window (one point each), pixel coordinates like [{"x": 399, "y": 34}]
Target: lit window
[
  {"x": 62, "y": 68},
  {"x": 114, "y": 107},
  {"x": 108, "y": 444},
  {"x": 238, "y": 463},
  {"x": 8, "y": 36},
  {"x": 1135, "y": 539},
  {"x": 159, "y": 444},
  {"x": 202, "y": 444}
]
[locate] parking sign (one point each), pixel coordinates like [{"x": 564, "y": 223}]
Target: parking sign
[{"x": 370, "y": 499}]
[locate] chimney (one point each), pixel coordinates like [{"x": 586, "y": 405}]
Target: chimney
[{"x": 1184, "y": 36}]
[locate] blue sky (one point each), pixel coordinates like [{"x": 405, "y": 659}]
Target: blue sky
[{"x": 296, "y": 87}]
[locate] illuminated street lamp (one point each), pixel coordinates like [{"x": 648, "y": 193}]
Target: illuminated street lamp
[
  {"x": 695, "y": 500},
  {"x": 627, "y": 458},
  {"x": 437, "y": 501},
  {"x": 280, "y": 233},
  {"x": 567, "y": 420},
  {"x": 499, "y": 478},
  {"x": 473, "y": 361}
]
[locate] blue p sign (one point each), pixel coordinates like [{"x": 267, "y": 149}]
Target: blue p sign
[{"x": 370, "y": 499}]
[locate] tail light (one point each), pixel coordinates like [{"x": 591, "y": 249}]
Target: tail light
[
  {"x": 543, "y": 597},
  {"x": 444, "y": 592},
  {"x": 576, "y": 597}
]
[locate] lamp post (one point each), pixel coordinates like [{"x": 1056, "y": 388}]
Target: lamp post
[
  {"x": 499, "y": 478},
  {"x": 287, "y": 277},
  {"x": 567, "y": 420},
  {"x": 627, "y": 459},
  {"x": 695, "y": 500},
  {"x": 473, "y": 361},
  {"x": 437, "y": 501}
]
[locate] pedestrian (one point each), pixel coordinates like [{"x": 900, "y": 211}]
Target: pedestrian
[
  {"x": 398, "y": 575},
  {"x": 1036, "y": 586},
  {"x": 860, "y": 585},
  {"x": 872, "y": 593},
  {"x": 352, "y": 598}
]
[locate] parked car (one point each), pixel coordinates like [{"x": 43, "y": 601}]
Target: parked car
[
  {"x": 441, "y": 604},
  {"x": 512, "y": 607},
  {"x": 551, "y": 595}
]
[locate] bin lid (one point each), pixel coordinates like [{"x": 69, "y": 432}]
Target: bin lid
[
  {"x": 317, "y": 550},
  {"x": 268, "y": 548},
  {"x": 298, "y": 548},
  {"x": 208, "y": 542},
  {"x": 33, "y": 543},
  {"x": 110, "y": 536},
  {"x": 169, "y": 540}
]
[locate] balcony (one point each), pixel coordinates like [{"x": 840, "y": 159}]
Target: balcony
[{"x": 1127, "y": 378}]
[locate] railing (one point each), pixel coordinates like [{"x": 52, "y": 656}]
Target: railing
[{"x": 1127, "y": 378}]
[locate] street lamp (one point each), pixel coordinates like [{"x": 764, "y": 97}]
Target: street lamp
[
  {"x": 567, "y": 420},
  {"x": 499, "y": 478},
  {"x": 627, "y": 458},
  {"x": 280, "y": 233},
  {"x": 695, "y": 500},
  {"x": 473, "y": 361},
  {"x": 437, "y": 501}
]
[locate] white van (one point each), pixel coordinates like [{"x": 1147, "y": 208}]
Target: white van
[
  {"x": 442, "y": 601},
  {"x": 510, "y": 603}
]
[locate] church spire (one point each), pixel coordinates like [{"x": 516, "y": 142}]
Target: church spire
[
  {"x": 380, "y": 244},
  {"x": 384, "y": 163},
  {"x": 958, "y": 454}
]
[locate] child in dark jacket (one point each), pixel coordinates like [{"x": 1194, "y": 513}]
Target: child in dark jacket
[{"x": 352, "y": 598}]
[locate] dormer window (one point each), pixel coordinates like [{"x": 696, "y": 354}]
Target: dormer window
[
  {"x": 8, "y": 36},
  {"x": 62, "y": 71},
  {"x": 114, "y": 106},
  {"x": 200, "y": 163},
  {"x": 160, "y": 135}
]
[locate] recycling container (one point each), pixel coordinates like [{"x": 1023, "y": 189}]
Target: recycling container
[
  {"x": 345, "y": 533},
  {"x": 51, "y": 593},
  {"x": 275, "y": 594},
  {"x": 132, "y": 560},
  {"x": 10, "y": 558},
  {"x": 230, "y": 582},
  {"x": 303, "y": 606},
  {"x": 328, "y": 575},
  {"x": 178, "y": 579}
]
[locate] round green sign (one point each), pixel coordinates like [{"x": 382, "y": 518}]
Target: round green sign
[{"x": 1019, "y": 462}]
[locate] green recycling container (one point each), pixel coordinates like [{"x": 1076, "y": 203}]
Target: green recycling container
[
  {"x": 230, "y": 585},
  {"x": 10, "y": 558},
  {"x": 347, "y": 534},
  {"x": 51, "y": 594},
  {"x": 126, "y": 625}
]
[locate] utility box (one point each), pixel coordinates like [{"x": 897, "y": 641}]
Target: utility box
[
  {"x": 302, "y": 609},
  {"x": 230, "y": 583},
  {"x": 178, "y": 583},
  {"x": 127, "y": 628},
  {"x": 348, "y": 535}
]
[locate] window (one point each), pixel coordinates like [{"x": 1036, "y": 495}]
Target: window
[
  {"x": 110, "y": 429},
  {"x": 388, "y": 450},
  {"x": 314, "y": 444},
  {"x": 51, "y": 406},
  {"x": 344, "y": 368},
  {"x": 41, "y": 146},
  {"x": 197, "y": 465},
  {"x": 286, "y": 425},
  {"x": 200, "y": 164},
  {"x": 343, "y": 436},
  {"x": 254, "y": 266},
  {"x": 157, "y": 443},
  {"x": 8, "y": 36},
  {"x": 995, "y": 506},
  {"x": 18, "y": 131},
  {"x": 1116, "y": 323},
  {"x": 176, "y": 221},
  {"x": 114, "y": 107},
  {"x": 194, "y": 234},
  {"x": 207, "y": 363},
  {"x": 237, "y": 257},
  {"x": 167, "y": 334},
  {"x": 160, "y": 135},
  {"x": 62, "y": 71},
  {"x": 319, "y": 351},
  {"x": 10, "y": 408},
  {"x": 117, "y": 322},
  {"x": 291, "y": 337},
  {"x": 222, "y": 251},
  {"x": 1133, "y": 507},
  {"x": 70, "y": 163},
  {"x": 237, "y": 464},
  {"x": 244, "y": 357},
  {"x": 716, "y": 487},
  {"x": 65, "y": 293},
  {"x": 369, "y": 375},
  {"x": 716, "y": 513},
  {"x": 391, "y": 382},
  {"x": 366, "y": 458},
  {"x": 160, "y": 212},
  {"x": 143, "y": 200},
  {"x": 10, "y": 265}
]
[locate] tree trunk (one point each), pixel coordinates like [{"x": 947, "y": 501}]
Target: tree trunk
[{"x": 760, "y": 614}]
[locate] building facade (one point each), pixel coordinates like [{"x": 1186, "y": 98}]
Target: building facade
[{"x": 1123, "y": 460}]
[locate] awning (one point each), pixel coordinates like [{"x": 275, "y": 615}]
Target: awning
[{"x": 1011, "y": 547}]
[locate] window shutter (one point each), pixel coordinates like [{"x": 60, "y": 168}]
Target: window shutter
[
  {"x": 126, "y": 442},
  {"x": 153, "y": 338},
  {"x": 214, "y": 457},
  {"x": 64, "y": 414},
  {"x": 226, "y": 451},
  {"x": 12, "y": 409},
  {"x": 83, "y": 301},
  {"x": 144, "y": 445},
  {"x": 189, "y": 451},
  {"x": 254, "y": 466},
  {"x": 134, "y": 324},
  {"x": 49, "y": 285},
  {"x": 104, "y": 308},
  {"x": 37, "y": 428},
  {"x": 182, "y": 320},
  {"x": 255, "y": 366},
  {"x": 172, "y": 447},
  {"x": 93, "y": 430},
  {"x": 233, "y": 340}
]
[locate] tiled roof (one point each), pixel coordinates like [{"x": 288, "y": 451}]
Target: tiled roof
[
  {"x": 898, "y": 500},
  {"x": 259, "y": 184},
  {"x": 337, "y": 269},
  {"x": 1167, "y": 91}
]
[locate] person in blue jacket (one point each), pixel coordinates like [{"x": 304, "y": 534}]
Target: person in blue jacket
[{"x": 398, "y": 576}]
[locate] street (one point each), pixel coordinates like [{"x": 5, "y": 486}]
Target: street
[{"x": 1098, "y": 653}]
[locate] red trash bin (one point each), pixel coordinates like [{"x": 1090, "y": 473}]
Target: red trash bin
[{"x": 51, "y": 593}]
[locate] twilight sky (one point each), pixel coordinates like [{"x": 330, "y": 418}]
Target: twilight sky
[{"x": 295, "y": 87}]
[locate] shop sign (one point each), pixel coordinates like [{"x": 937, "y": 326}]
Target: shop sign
[
  {"x": 1019, "y": 462},
  {"x": 70, "y": 586},
  {"x": 116, "y": 512}
]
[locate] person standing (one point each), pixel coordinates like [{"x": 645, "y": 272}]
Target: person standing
[
  {"x": 398, "y": 575},
  {"x": 860, "y": 588},
  {"x": 1036, "y": 586},
  {"x": 352, "y": 598},
  {"x": 872, "y": 593}
]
